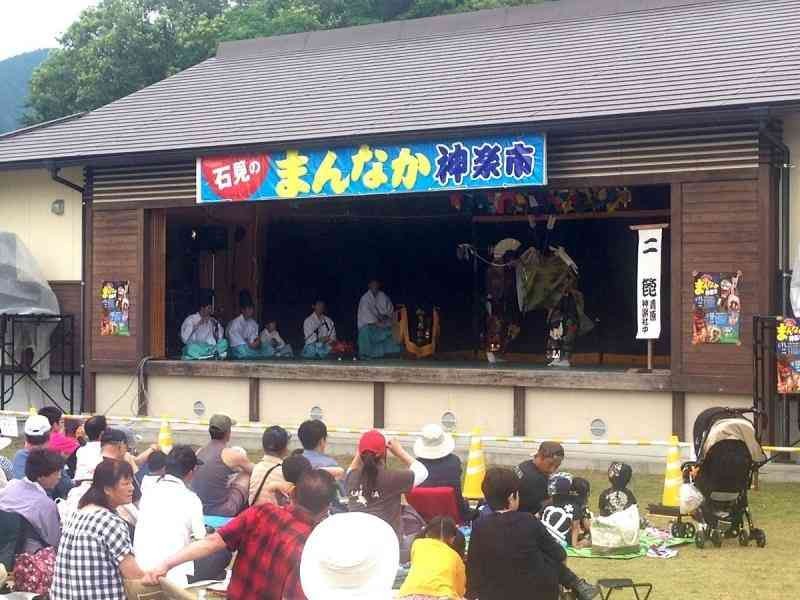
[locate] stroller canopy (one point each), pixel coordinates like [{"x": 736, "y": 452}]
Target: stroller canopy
[{"x": 717, "y": 424}]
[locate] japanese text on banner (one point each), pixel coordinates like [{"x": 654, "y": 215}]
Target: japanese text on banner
[
  {"x": 648, "y": 285},
  {"x": 469, "y": 163}
]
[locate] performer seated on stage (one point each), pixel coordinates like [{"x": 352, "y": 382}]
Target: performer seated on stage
[
  {"x": 375, "y": 324},
  {"x": 243, "y": 333},
  {"x": 202, "y": 334},
  {"x": 319, "y": 332},
  {"x": 271, "y": 337}
]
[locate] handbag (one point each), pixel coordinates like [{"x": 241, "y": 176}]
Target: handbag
[{"x": 34, "y": 572}]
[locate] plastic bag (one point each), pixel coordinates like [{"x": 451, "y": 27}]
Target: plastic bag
[
  {"x": 794, "y": 288},
  {"x": 690, "y": 498},
  {"x": 616, "y": 533}
]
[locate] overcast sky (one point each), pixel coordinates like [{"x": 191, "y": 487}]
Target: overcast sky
[{"x": 31, "y": 24}]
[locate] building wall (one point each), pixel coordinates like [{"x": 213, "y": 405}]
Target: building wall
[
  {"x": 791, "y": 137},
  {"x": 55, "y": 241}
]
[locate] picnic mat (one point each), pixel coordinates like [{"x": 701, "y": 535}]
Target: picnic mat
[{"x": 645, "y": 542}]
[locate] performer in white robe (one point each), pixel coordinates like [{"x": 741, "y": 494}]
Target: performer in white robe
[
  {"x": 202, "y": 335},
  {"x": 243, "y": 333},
  {"x": 319, "y": 332},
  {"x": 375, "y": 322},
  {"x": 271, "y": 337}
]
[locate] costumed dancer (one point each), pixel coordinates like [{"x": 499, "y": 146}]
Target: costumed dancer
[
  {"x": 243, "y": 333},
  {"x": 376, "y": 324},
  {"x": 319, "y": 332},
  {"x": 564, "y": 319},
  {"x": 502, "y": 308},
  {"x": 202, "y": 335},
  {"x": 271, "y": 337}
]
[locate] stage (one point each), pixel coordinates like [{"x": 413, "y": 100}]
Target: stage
[{"x": 401, "y": 371}]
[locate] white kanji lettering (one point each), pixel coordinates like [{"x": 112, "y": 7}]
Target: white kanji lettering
[
  {"x": 240, "y": 174},
  {"x": 222, "y": 177},
  {"x": 255, "y": 167}
]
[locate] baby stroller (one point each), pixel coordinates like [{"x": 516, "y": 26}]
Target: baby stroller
[{"x": 728, "y": 454}]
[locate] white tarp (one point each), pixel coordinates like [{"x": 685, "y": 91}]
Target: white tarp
[
  {"x": 648, "y": 285},
  {"x": 25, "y": 291}
]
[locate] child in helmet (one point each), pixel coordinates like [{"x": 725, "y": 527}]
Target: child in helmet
[{"x": 618, "y": 497}]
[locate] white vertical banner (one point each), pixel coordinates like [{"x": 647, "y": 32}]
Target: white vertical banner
[{"x": 648, "y": 285}]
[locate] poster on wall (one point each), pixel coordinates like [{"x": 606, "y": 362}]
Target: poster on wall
[
  {"x": 717, "y": 308},
  {"x": 114, "y": 308},
  {"x": 648, "y": 285},
  {"x": 787, "y": 353},
  {"x": 497, "y": 161}
]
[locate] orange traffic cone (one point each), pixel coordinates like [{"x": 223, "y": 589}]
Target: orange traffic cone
[{"x": 476, "y": 468}]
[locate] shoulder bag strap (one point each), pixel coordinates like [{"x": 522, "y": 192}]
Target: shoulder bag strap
[{"x": 263, "y": 481}]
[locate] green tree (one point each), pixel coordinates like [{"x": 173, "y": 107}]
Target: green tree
[{"x": 121, "y": 46}]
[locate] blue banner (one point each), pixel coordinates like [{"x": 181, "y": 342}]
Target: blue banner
[{"x": 458, "y": 164}]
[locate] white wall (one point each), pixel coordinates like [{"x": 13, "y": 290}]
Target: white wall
[
  {"x": 791, "y": 137},
  {"x": 343, "y": 404},
  {"x": 55, "y": 241}
]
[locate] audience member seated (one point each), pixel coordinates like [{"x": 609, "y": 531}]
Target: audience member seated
[
  {"x": 95, "y": 552},
  {"x": 618, "y": 497},
  {"x": 59, "y": 442},
  {"x": 155, "y": 467},
  {"x": 437, "y": 569},
  {"x": 6, "y": 466},
  {"x": 113, "y": 446},
  {"x": 348, "y": 557},
  {"x": 170, "y": 517},
  {"x": 40, "y": 529},
  {"x": 434, "y": 449},
  {"x": 73, "y": 429},
  {"x": 90, "y": 453},
  {"x": 313, "y": 435},
  {"x": 37, "y": 437},
  {"x": 268, "y": 541},
  {"x": 223, "y": 481},
  {"x": 534, "y": 495},
  {"x": 275, "y": 442},
  {"x": 373, "y": 488},
  {"x": 511, "y": 555},
  {"x": 566, "y": 517}
]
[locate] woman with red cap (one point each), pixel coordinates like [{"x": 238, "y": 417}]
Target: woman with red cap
[{"x": 373, "y": 488}]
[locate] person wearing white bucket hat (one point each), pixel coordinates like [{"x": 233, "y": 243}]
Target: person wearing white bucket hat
[
  {"x": 434, "y": 449},
  {"x": 350, "y": 556}
]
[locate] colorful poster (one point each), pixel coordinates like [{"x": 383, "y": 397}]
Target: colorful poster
[
  {"x": 787, "y": 353},
  {"x": 455, "y": 164},
  {"x": 115, "y": 303},
  {"x": 717, "y": 308},
  {"x": 648, "y": 285}
]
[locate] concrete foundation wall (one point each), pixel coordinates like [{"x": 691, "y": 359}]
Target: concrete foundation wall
[{"x": 342, "y": 404}]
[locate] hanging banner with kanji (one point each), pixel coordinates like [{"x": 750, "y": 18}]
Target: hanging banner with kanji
[
  {"x": 787, "y": 353},
  {"x": 648, "y": 285},
  {"x": 717, "y": 308},
  {"x": 455, "y": 164}
]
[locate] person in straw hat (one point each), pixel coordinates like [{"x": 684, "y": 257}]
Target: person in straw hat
[
  {"x": 434, "y": 449},
  {"x": 350, "y": 556}
]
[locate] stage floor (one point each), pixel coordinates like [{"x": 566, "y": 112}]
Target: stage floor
[{"x": 459, "y": 372}]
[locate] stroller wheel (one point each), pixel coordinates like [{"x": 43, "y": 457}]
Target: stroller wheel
[
  {"x": 744, "y": 538},
  {"x": 700, "y": 539},
  {"x": 716, "y": 538},
  {"x": 760, "y": 537},
  {"x": 690, "y": 531},
  {"x": 677, "y": 530}
]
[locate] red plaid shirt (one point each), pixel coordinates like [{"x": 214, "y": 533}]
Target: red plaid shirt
[{"x": 269, "y": 541}]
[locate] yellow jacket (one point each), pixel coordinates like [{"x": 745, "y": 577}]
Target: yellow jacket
[{"x": 436, "y": 570}]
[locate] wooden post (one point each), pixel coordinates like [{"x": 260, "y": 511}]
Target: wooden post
[
  {"x": 679, "y": 415},
  {"x": 378, "y": 405},
  {"x": 519, "y": 411},
  {"x": 255, "y": 400},
  {"x": 650, "y": 342}
]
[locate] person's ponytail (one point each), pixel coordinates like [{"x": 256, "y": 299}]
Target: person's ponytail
[{"x": 369, "y": 473}]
